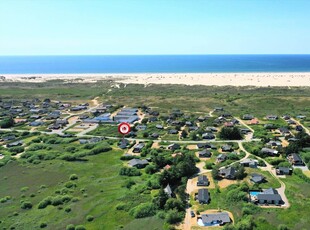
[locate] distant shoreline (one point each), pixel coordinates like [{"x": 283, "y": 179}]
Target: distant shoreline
[{"x": 217, "y": 79}]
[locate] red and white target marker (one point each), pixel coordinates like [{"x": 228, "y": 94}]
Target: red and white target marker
[{"x": 123, "y": 128}]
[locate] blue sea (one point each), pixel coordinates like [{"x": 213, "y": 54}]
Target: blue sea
[{"x": 154, "y": 64}]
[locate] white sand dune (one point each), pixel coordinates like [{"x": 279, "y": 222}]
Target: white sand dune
[{"x": 218, "y": 79}]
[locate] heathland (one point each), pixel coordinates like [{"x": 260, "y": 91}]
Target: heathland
[{"x": 53, "y": 181}]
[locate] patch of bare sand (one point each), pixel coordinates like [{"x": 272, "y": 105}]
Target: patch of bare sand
[
  {"x": 225, "y": 183},
  {"x": 192, "y": 147}
]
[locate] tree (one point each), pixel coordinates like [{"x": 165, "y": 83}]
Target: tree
[
  {"x": 215, "y": 172},
  {"x": 150, "y": 169},
  {"x": 144, "y": 210},
  {"x": 184, "y": 134},
  {"x": 174, "y": 203},
  {"x": 161, "y": 199},
  {"x": 7, "y": 123},
  {"x": 144, "y": 120},
  {"x": 240, "y": 173},
  {"x": 193, "y": 136},
  {"x": 228, "y": 133},
  {"x": 173, "y": 216}
]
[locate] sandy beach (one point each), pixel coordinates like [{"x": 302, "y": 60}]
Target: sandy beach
[{"x": 218, "y": 79}]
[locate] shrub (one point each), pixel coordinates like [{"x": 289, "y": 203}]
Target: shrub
[
  {"x": 89, "y": 218},
  {"x": 74, "y": 177},
  {"x": 7, "y": 123},
  {"x": 68, "y": 209},
  {"x": 16, "y": 150},
  {"x": 43, "y": 225},
  {"x": 70, "y": 227},
  {"x": 70, "y": 184},
  {"x": 209, "y": 165},
  {"x": 283, "y": 227},
  {"x": 24, "y": 189},
  {"x": 45, "y": 202},
  {"x": 173, "y": 216},
  {"x": 80, "y": 227},
  {"x": 26, "y": 205},
  {"x": 129, "y": 184},
  {"x": 125, "y": 171},
  {"x": 143, "y": 210}
]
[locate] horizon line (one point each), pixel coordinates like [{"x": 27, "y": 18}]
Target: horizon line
[{"x": 41, "y": 55}]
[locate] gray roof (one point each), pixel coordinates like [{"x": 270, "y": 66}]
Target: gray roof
[
  {"x": 256, "y": 178},
  {"x": 296, "y": 157},
  {"x": 269, "y": 197},
  {"x": 168, "y": 190},
  {"x": 203, "y": 195},
  {"x": 268, "y": 150},
  {"x": 135, "y": 162},
  {"x": 228, "y": 172},
  {"x": 203, "y": 178},
  {"x": 221, "y": 217},
  {"x": 249, "y": 161},
  {"x": 284, "y": 169},
  {"x": 205, "y": 152},
  {"x": 270, "y": 191}
]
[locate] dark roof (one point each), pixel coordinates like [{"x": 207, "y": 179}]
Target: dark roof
[
  {"x": 203, "y": 195},
  {"x": 204, "y": 152},
  {"x": 222, "y": 157},
  {"x": 174, "y": 146},
  {"x": 269, "y": 197},
  {"x": 203, "y": 179},
  {"x": 228, "y": 172},
  {"x": 284, "y": 170},
  {"x": 226, "y": 148},
  {"x": 296, "y": 157},
  {"x": 270, "y": 191},
  {"x": 256, "y": 178}
]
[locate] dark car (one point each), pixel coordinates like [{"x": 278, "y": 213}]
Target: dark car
[{"x": 192, "y": 214}]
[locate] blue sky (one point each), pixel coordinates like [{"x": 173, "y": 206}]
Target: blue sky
[{"x": 69, "y": 27}]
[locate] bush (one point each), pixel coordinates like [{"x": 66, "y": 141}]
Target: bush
[
  {"x": 125, "y": 171},
  {"x": 68, "y": 209},
  {"x": 89, "y": 218},
  {"x": 26, "y": 205},
  {"x": 150, "y": 169},
  {"x": 283, "y": 227},
  {"x": 70, "y": 227},
  {"x": 143, "y": 210},
  {"x": 16, "y": 150},
  {"x": 7, "y": 123},
  {"x": 129, "y": 184},
  {"x": 173, "y": 216},
  {"x": 45, "y": 202},
  {"x": 74, "y": 177},
  {"x": 227, "y": 133},
  {"x": 80, "y": 227},
  {"x": 209, "y": 165},
  {"x": 70, "y": 184},
  {"x": 43, "y": 225}
]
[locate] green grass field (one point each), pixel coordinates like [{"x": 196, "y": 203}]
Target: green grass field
[{"x": 98, "y": 177}]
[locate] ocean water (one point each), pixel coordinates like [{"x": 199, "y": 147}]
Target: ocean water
[{"x": 154, "y": 64}]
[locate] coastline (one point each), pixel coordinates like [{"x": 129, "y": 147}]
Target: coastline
[{"x": 209, "y": 79}]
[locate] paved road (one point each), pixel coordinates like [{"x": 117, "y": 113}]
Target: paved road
[
  {"x": 298, "y": 123},
  {"x": 272, "y": 171}
]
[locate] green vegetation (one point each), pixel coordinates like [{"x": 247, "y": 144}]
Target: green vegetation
[{"x": 88, "y": 186}]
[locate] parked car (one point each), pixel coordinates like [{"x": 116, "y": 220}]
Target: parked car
[{"x": 192, "y": 214}]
